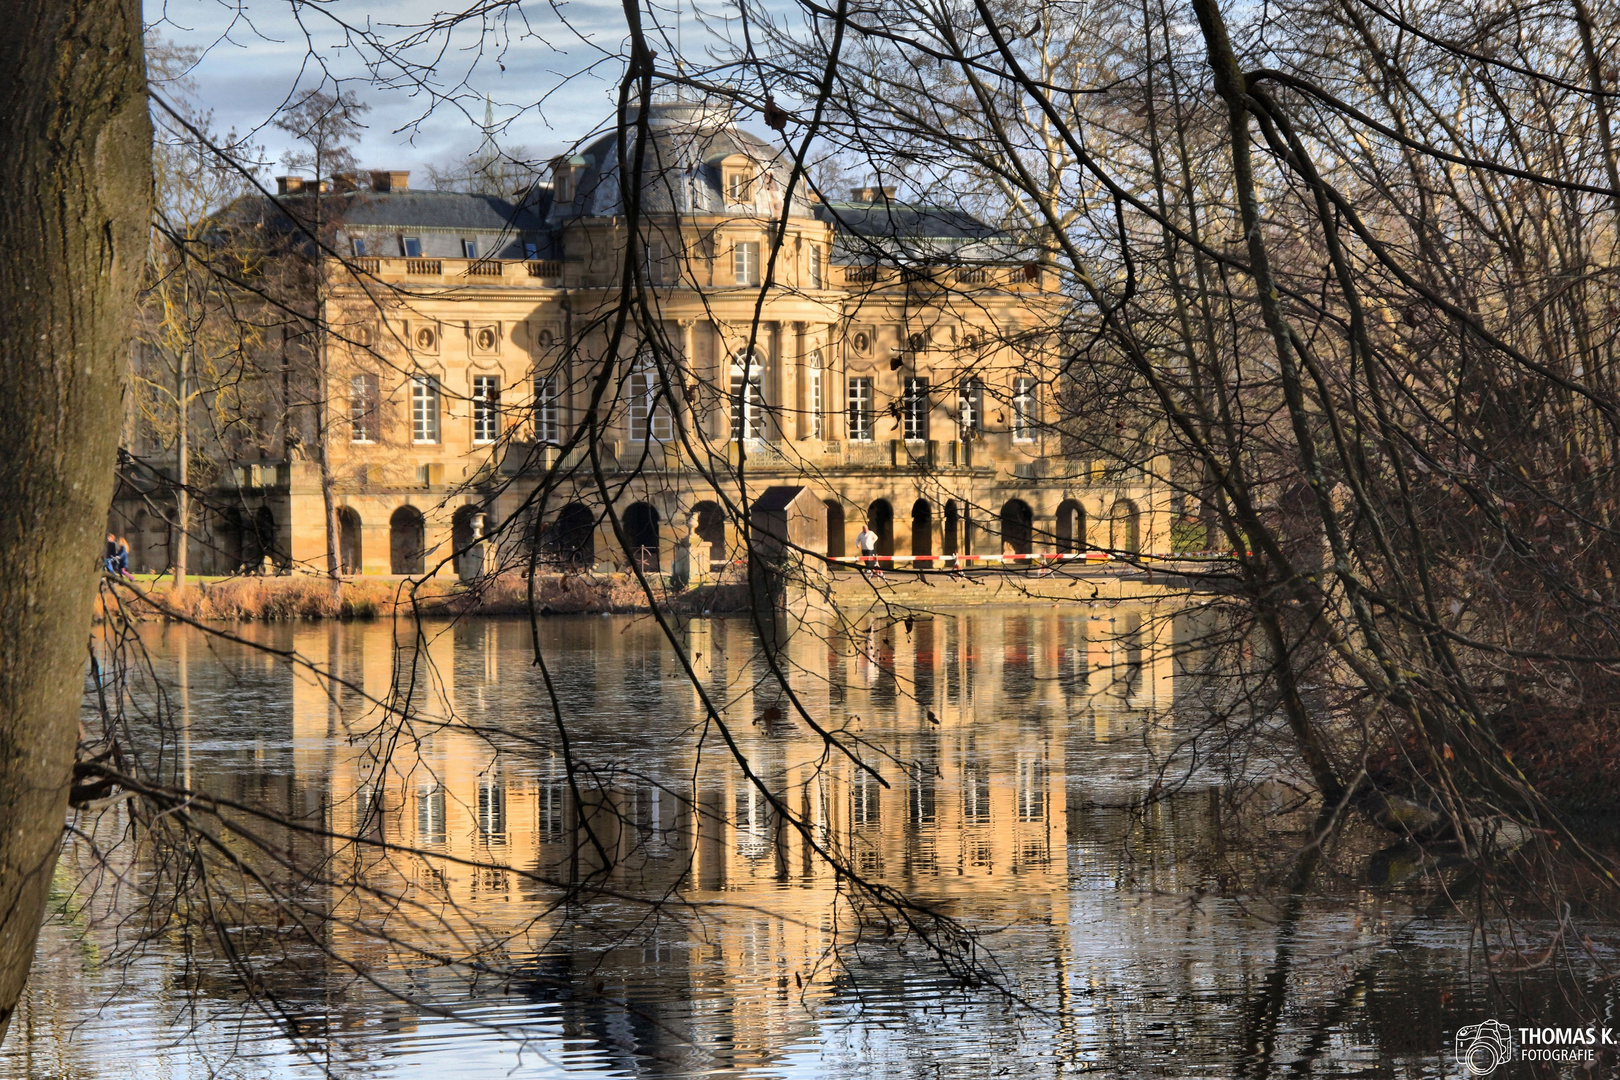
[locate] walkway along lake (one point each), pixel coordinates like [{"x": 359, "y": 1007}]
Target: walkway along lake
[{"x": 1011, "y": 751}]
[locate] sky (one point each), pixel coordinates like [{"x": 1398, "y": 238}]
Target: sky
[{"x": 549, "y": 70}]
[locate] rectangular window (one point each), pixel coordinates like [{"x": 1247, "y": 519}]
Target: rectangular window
[
  {"x": 914, "y": 417},
  {"x": 430, "y": 813},
  {"x": 486, "y": 408},
  {"x": 547, "y": 422},
  {"x": 411, "y": 247},
  {"x": 424, "y": 409},
  {"x": 739, "y": 187},
  {"x": 815, "y": 398},
  {"x": 531, "y": 250},
  {"x": 970, "y": 409},
  {"x": 1023, "y": 407},
  {"x": 655, "y": 262},
  {"x": 469, "y": 249},
  {"x": 747, "y": 402},
  {"x": 745, "y": 262},
  {"x": 357, "y": 245},
  {"x": 648, "y": 419},
  {"x": 814, "y": 266},
  {"x": 363, "y": 408},
  {"x": 860, "y": 409}
]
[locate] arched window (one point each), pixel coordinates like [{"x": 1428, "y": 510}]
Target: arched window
[
  {"x": 815, "y": 396},
  {"x": 747, "y": 398},
  {"x": 952, "y": 526}
]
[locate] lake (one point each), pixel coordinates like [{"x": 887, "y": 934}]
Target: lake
[{"x": 442, "y": 895}]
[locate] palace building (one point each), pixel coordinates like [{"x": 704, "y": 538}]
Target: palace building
[{"x": 494, "y": 366}]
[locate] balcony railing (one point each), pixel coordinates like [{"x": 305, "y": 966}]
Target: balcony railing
[{"x": 452, "y": 271}]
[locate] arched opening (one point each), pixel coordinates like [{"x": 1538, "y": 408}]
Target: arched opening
[
  {"x": 229, "y": 540},
  {"x": 1124, "y": 527},
  {"x": 464, "y": 531},
  {"x": 952, "y": 525},
  {"x": 922, "y": 528},
  {"x": 711, "y": 529},
  {"x": 259, "y": 540},
  {"x": 407, "y": 539},
  {"x": 348, "y": 541},
  {"x": 835, "y": 528},
  {"x": 1071, "y": 527},
  {"x": 1017, "y": 527},
  {"x": 641, "y": 530},
  {"x": 880, "y": 516},
  {"x": 569, "y": 540}
]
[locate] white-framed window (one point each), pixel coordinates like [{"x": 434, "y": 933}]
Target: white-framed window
[
  {"x": 915, "y": 406},
  {"x": 814, "y": 266},
  {"x": 860, "y": 409},
  {"x": 739, "y": 186},
  {"x": 469, "y": 249},
  {"x": 745, "y": 261},
  {"x": 815, "y": 395},
  {"x": 430, "y": 813},
  {"x": 357, "y": 244},
  {"x": 1023, "y": 409},
  {"x": 410, "y": 247},
  {"x": 547, "y": 420},
  {"x": 363, "y": 394},
  {"x": 970, "y": 408},
  {"x": 424, "y": 409},
  {"x": 486, "y": 408},
  {"x": 747, "y": 398},
  {"x": 649, "y": 415}
]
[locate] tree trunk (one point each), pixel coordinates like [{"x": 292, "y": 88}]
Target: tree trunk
[
  {"x": 181, "y": 529},
  {"x": 75, "y": 195}
]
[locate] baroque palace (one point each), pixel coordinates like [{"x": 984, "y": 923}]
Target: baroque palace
[{"x": 895, "y": 364}]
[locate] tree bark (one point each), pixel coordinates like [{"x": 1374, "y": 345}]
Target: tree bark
[{"x": 75, "y": 196}]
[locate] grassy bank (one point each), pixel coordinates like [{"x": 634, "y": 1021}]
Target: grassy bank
[{"x": 299, "y": 597}]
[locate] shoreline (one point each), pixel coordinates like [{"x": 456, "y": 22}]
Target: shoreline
[{"x": 298, "y": 598}]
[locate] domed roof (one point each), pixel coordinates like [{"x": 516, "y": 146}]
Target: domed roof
[{"x": 681, "y": 167}]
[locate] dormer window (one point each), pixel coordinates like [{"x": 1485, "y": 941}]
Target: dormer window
[
  {"x": 564, "y": 171},
  {"x": 469, "y": 249},
  {"x": 739, "y": 185},
  {"x": 410, "y": 247},
  {"x": 357, "y": 244}
]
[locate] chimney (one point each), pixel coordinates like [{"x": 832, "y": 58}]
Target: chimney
[
  {"x": 289, "y": 185},
  {"x": 394, "y": 180},
  {"x": 345, "y": 181},
  {"x": 871, "y": 194}
]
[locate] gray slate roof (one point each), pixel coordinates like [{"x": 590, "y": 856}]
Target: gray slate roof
[{"x": 680, "y": 167}]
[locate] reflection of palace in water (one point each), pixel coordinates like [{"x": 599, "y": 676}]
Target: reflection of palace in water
[{"x": 969, "y": 722}]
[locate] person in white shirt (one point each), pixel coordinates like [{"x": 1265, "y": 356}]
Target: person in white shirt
[{"x": 866, "y": 542}]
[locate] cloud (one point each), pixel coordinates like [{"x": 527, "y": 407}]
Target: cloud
[{"x": 550, "y": 77}]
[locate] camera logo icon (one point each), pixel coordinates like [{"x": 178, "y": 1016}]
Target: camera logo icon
[{"x": 1482, "y": 1047}]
